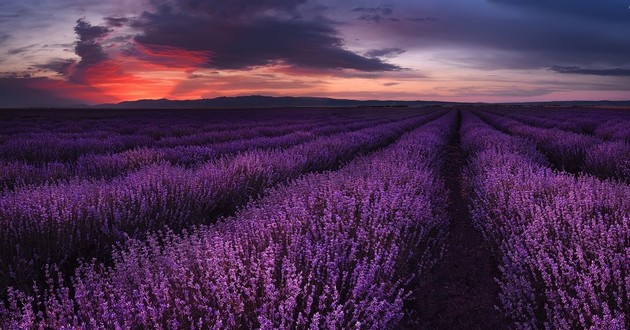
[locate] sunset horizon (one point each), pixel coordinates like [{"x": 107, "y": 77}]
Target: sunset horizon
[{"x": 88, "y": 52}]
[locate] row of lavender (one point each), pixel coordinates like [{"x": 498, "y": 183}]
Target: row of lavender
[
  {"x": 17, "y": 174},
  {"x": 158, "y": 124},
  {"x": 570, "y": 151},
  {"x": 606, "y": 124},
  {"x": 56, "y": 146},
  {"x": 331, "y": 250},
  {"x": 61, "y": 223},
  {"x": 166, "y": 130},
  {"x": 563, "y": 240}
]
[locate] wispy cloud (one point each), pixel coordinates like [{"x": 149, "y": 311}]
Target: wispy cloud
[
  {"x": 4, "y": 37},
  {"x": 422, "y": 19},
  {"x": 616, "y": 72},
  {"x": 21, "y": 50},
  {"x": 385, "y": 52},
  {"x": 385, "y": 11}
]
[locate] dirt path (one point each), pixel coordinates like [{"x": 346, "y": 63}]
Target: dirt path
[{"x": 460, "y": 292}]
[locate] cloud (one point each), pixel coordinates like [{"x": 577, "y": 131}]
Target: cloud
[
  {"x": 253, "y": 38},
  {"x": 169, "y": 56},
  {"x": 385, "y": 52},
  {"x": 88, "y": 47},
  {"x": 375, "y": 14},
  {"x": 488, "y": 38},
  {"x": 228, "y": 10},
  {"x": 20, "y": 50},
  {"x": 371, "y": 18},
  {"x": 602, "y": 10},
  {"x": 116, "y": 21},
  {"x": 374, "y": 10},
  {"x": 389, "y": 84},
  {"x": 615, "y": 72},
  {"x": 60, "y": 66},
  {"x": 377, "y": 18},
  {"x": 4, "y": 38}
]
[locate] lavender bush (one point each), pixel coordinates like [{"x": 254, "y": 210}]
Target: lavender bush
[
  {"x": 60, "y": 223},
  {"x": 606, "y": 124},
  {"x": 94, "y": 165},
  {"x": 570, "y": 151},
  {"x": 331, "y": 250},
  {"x": 563, "y": 240},
  {"x": 64, "y": 140},
  {"x": 324, "y": 218}
]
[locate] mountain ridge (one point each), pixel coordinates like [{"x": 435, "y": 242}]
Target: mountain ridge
[{"x": 260, "y": 101}]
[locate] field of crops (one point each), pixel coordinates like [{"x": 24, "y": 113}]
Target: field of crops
[{"x": 315, "y": 218}]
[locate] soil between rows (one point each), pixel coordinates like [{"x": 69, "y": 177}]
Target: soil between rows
[{"x": 460, "y": 292}]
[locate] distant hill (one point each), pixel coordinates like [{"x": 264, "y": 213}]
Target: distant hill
[
  {"x": 577, "y": 103},
  {"x": 257, "y": 101}
]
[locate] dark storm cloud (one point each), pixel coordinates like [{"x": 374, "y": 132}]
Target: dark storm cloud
[
  {"x": 489, "y": 39},
  {"x": 116, "y": 21},
  {"x": 253, "y": 37},
  {"x": 228, "y": 9},
  {"x": 385, "y": 52},
  {"x": 606, "y": 10},
  {"x": 88, "y": 32},
  {"x": 60, "y": 66},
  {"x": 616, "y": 72},
  {"x": 88, "y": 47}
]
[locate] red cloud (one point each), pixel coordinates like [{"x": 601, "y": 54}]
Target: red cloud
[{"x": 170, "y": 57}]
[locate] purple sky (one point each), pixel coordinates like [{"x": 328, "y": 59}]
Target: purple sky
[{"x": 57, "y": 52}]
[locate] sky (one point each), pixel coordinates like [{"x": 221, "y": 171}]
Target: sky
[{"x": 66, "y": 52}]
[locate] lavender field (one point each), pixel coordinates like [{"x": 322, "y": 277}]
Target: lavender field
[{"x": 479, "y": 217}]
